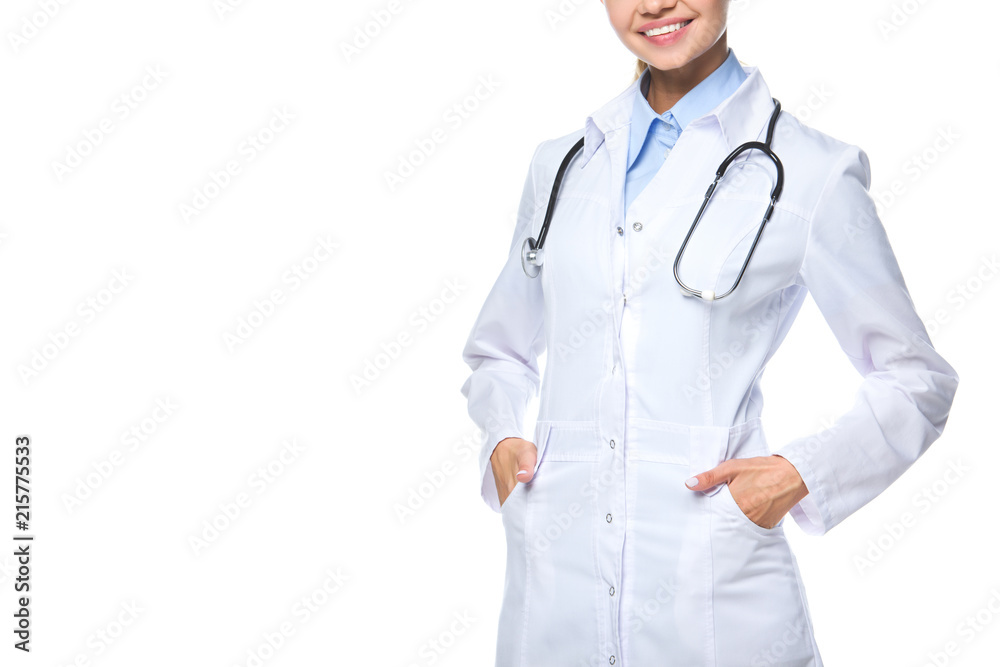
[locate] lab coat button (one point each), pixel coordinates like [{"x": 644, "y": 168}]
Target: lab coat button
[
  {"x": 612, "y": 591},
  {"x": 620, "y": 231},
  {"x": 611, "y": 660},
  {"x": 637, "y": 226},
  {"x": 609, "y": 517},
  {"x": 612, "y": 444}
]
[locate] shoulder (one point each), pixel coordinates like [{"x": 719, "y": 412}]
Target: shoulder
[
  {"x": 549, "y": 154},
  {"x": 555, "y": 149},
  {"x": 817, "y": 163}
]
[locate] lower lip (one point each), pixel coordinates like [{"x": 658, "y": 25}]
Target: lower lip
[{"x": 668, "y": 38}]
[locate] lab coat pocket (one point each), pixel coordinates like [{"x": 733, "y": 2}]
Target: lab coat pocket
[
  {"x": 729, "y": 232},
  {"x": 726, "y": 495},
  {"x": 751, "y": 564},
  {"x": 777, "y": 255},
  {"x": 515, "y": 515},
  {"x": 559, "y": 539},
  {"x": 510, "y": 496},
  {"x": 711, "y": 445},
  {"x": 541, "y": 437}
]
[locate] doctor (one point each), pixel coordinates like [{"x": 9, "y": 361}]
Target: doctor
[{"x": 644, "y": 517}]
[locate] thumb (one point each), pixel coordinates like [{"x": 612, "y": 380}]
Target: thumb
[{"x": 526, "y": 463}]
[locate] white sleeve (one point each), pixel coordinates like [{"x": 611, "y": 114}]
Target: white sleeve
[
  {"x": 503, "y": 348},
  {"x": 904, "y": 399}
]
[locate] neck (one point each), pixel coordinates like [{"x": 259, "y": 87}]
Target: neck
[{"x": 668, "y": 86}]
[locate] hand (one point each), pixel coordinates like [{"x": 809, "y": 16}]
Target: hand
[
  {"x": 513, "y": 461},
  {"x": 764, "y": 487}
]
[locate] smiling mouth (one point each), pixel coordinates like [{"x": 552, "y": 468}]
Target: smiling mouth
[{"x": 667, "y": 29}]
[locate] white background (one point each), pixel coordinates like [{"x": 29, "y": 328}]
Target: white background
[{"x": 107, "y": 542}]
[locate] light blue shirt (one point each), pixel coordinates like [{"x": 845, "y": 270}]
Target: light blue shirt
[{"x": 651, "y": 136}]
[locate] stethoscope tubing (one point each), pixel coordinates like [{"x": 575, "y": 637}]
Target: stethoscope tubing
[{"x": 531, "y": 259}]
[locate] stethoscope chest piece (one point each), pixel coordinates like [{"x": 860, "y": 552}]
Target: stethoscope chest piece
[{"x": 531, "y": 257}]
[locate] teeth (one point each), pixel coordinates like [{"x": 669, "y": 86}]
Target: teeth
[{"x": 666, "y": 29}]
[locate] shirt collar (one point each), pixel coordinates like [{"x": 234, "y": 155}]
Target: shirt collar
[
  {"x": 740, "y": 117},
  {"x": 698, "y": 101}
]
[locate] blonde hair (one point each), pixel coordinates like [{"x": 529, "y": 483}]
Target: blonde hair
[{"x": 640, "y": 67}]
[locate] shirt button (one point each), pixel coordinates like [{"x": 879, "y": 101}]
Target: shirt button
[
  {"x": 612, "y": 444},
  {"x": 609, "y": 517},
  {"x": 611, "y": 660},
  {"x": 612, "y": 591},
  {"x": 666, "y": 152},
  {"x": 637, "y": 226},
  {"x": 620, "y": 231}
]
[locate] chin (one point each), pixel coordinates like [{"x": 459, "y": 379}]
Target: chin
[{"x": 663, "y": 61}]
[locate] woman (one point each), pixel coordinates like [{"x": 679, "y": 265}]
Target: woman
[{"x": 644, "y": 520}]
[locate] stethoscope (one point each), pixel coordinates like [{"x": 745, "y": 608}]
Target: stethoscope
[{"x": 532, "y": 256}]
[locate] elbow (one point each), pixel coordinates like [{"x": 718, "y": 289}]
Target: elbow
[
  {"x": 944, "y": 384},
  {"x": 935, "y": 398},
  {"x": 947, "y": 388},
  {"x": 928, "y": 382}
]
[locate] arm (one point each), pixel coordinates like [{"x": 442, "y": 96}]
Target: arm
[
  {"x": 503, "y": 348},
  {"x": 903, "y": 402}
]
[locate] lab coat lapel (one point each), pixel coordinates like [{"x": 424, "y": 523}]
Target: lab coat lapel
[
  {"x": 743, "y": 116},
  {"x": 740, "y": 118},
  {"x": 609, "y": 117}
]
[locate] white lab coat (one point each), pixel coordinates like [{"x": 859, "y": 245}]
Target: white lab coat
[{"x": 611, "y": 560}]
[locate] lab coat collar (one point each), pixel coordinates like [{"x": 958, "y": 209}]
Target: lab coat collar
[
  {"x": 741, "y": 117},
  {"x": 710, "y": 91}
]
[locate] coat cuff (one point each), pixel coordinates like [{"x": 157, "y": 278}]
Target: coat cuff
[{"x": 812, "y": 513}]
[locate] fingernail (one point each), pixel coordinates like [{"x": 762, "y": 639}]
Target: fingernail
[
  {"x": 522, "y": 472},
  {"x": 691, "y": 483}
]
